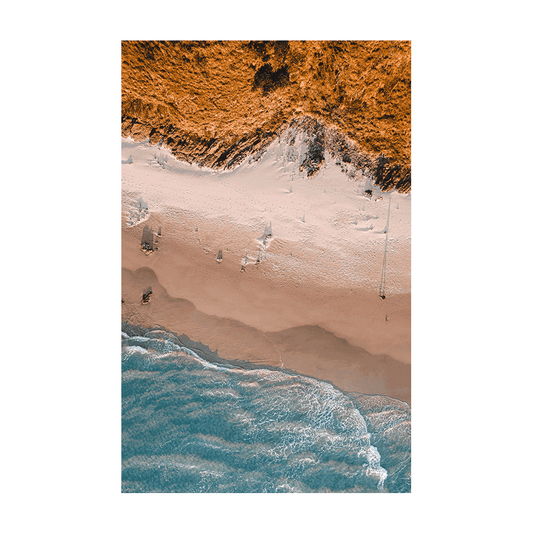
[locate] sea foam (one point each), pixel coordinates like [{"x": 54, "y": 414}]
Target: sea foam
[{"x": 191, "y": 425}]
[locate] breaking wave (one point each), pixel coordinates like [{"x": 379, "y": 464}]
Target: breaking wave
[{"x": 191, "y": 425}]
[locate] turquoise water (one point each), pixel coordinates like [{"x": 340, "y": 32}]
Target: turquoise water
[{"x": 191, "y": 425}]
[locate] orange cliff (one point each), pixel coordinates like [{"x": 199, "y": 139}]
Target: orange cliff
[{"x": 215, "y": 102}]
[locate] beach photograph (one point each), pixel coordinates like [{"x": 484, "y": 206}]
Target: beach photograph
[{"x": 266, "y": 266}]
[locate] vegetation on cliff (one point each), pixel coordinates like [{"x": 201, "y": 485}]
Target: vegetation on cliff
[{"x": 215, "y": 102}]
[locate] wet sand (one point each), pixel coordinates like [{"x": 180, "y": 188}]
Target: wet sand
[{"x": 334, "y": 334}]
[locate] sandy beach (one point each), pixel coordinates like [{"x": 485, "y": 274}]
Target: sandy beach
[{"x": 298, "y": 283}]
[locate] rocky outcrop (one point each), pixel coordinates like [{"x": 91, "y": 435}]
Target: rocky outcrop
[{"x": 215, "y": 103}]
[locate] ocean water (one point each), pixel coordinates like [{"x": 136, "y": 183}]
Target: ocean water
[{"x": 192, "y": 425}]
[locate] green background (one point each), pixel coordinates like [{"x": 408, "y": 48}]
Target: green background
[{"x": 51, "y": 197}]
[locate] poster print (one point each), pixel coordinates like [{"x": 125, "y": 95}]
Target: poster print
[{"x": 266, "y": 252}]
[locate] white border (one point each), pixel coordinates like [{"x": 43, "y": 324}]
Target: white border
[{"x": 419, "y": 33}]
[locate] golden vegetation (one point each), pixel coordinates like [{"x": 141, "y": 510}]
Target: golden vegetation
[{"x": 214, "y": 102}]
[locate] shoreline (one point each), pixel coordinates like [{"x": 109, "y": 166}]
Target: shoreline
[
  {"x": 307, "y": 350},
  {"x": 211, "y": 356}
]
